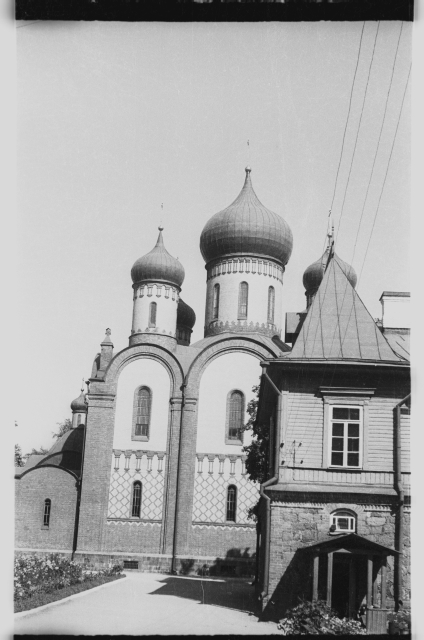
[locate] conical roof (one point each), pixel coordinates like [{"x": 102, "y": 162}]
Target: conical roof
[
  {"x": 338, "y": 326},
  {"x": 185, "y": 315},
  {"x": 158, "y": 266},
  {"x": 246, "y": 227}
]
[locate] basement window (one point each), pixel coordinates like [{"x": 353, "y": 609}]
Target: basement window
[
  {"x": 342, "y": 522},
  {"x": 130, "y": 564}
]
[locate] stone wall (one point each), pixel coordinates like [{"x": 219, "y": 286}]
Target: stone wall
[{"x": 296, "y": 525}]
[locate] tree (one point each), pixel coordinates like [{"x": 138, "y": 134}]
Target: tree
[
  {"x": 258, "y": 451},
  {"x": 41, "y": 451},
  {"x": 64, "y": 427},
  {"x": 19, "y": 459}
]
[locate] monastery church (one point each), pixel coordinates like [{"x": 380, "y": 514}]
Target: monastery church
[{"x": 153, "y": 470}]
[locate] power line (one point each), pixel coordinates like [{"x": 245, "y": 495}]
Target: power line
[
  {"x": 348, "y": 114},
  {"x": 378, "y": 143},
  {"x": 359, "y": 128},
  {"x": 387, "y": 170}
]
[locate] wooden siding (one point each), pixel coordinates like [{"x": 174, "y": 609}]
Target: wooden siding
[
  {"x": 352, "y": 478},
  {"x": 305, "y": 420},
  {"x": 305, "y": 430}
]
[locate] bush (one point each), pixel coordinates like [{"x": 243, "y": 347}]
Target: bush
[
  {"x": 45, "y": 574},
  {"x": 317, "y": 618}
]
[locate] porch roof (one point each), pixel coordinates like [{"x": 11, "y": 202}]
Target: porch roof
[{"x": 350, "y": 542}]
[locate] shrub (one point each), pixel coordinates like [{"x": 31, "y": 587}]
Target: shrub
[
  {"x": 45, "y": 574},
  {"x": 317, "y": 618}
]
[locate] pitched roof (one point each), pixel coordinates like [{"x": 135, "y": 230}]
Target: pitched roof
[{"x": 338, "y": 326}]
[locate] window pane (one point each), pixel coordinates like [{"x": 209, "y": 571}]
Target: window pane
[
  {"x": 235, "y": 415},
  {"x": 231, "y": 504},
  {"x": 243, "y": 293},
  {"x": 340, "y": 413},
  {"x": 338, "y": 430},
  {"x": 46, "y": 517},
  {"x": 136, "y": 506},
  {"x": 353, "y": 430},
  {"x": 353, "y": 444},
  {"x": 343, "y": 523},
  {"x": 271, "y": 304},
  {"x": 143, "y": 412},
  {"x": 337, "y": 459},
  {"x": 152, "y": 320},
  {"x": 353, "y": 414},
  {"x": 353, "y": 459},
  {"x": 215, "y": 301},
  {"x": 337, "y": 444}
]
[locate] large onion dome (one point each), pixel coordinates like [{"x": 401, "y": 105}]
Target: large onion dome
[
  {"x": 78, "y": 405},
  {"x": 314, "y": 274},
  {"x": 158, "y": 266},
  {"x": 185, "y": 315},
  {"x": 247, "y": 227}
]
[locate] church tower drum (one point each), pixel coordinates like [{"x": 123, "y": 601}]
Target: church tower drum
[
  {"x": 246, "y": 248},
  {"x": 157, "y": 278}
]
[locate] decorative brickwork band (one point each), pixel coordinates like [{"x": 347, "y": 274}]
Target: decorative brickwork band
[
  {"x": 215, "y": 328},
  {"x": 246, "y": 265}
]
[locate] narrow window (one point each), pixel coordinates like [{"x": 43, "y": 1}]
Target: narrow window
[
  {"x": 242, "y": 302},
  {"x": 215, "y": 311},
  {"x": 144, "y": 402},
  {"x": 46, "y": 516},
  {"x": 79, "y": 419},
  {"x": 271, "y": 304},
  {"x": 235, "y": 412},
  {"x": 136, "y": 500},
  {"x": 346, "y": 430},
  {"x": 152, "y": 314},
  {"x": 231, "y": 503}
]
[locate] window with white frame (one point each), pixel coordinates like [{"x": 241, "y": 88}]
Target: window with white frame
[
  {"x": 342, "y": 521},
  {"x": 345, "y": 436}
]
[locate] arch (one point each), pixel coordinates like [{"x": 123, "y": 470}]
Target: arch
[
  {"x": 343, "y": 521},
  {"x": 235, "y": 417},
  {"x": 215, "y": 302},
  {"x": 271, "y": 305},
  {"x": 218, "y": 346},
  {"x": 152, "y": 314},
  {"x": 231, "y": 505},
  {"x": 142, "y": 411},
  {"x": 136, "y": 499},
  {"x": 243, "y": 301},
  {"x": 46, "y": 512}
]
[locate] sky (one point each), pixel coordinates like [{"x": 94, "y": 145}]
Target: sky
[{"x": 116, "y": 119}]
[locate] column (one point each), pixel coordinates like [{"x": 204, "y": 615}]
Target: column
[{"x": 171, "y": 467}]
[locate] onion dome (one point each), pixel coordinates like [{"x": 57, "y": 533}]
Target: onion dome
[
  {"x": 315, "y": 272},
  {"x": 78, "y": 405},
  {"x": 185, "y": 315},
  {"x": 247, "y": 227},
  {"x": 158, "y": 266}
]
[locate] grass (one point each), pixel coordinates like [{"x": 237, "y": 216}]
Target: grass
[{"x": 40, "y": 599}]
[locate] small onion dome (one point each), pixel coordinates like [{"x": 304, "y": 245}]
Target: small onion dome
[
  {"x": 185, "y": 315},
  {"x": 158, "y": 266},
  {"x": 315, "y": 272},
  {"x": 78, "y": 405},
  {"x": 247, "y": 227}
]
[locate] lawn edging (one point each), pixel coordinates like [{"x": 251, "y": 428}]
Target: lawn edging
[{"x": 86, "y": 588}]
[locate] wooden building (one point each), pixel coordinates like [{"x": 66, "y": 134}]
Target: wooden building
[{"x": 334, "y": 513}]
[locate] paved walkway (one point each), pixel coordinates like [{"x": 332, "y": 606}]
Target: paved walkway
[{"x": 151, "y": 603}]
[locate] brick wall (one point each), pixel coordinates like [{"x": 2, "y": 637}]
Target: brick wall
[{"x": 31, "y": 491}]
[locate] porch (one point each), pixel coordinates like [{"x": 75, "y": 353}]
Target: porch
[{"x": 349, "y": 572}]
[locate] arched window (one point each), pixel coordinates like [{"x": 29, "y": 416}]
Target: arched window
[
  {"x": 343, "y": 521},
  {"x": 46, "y": 515},
  {"x": 215, "y": 309},
  {"x": 271, "y": 304},
  {"x": 242, "y": 301},
  {"x": 79, "y": 419},
  {"x": 136, "y": 500},
  {"x": 235, "y": 415},
  {"x": 152, "y": 314},
  {"x": 142, "y": 410},
  {"x": 231, "y": 503}
]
